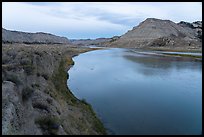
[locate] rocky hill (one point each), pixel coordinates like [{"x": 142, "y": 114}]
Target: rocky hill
[
  {"x": 195, "y": 28},
  {"x": 159, "y": 33},
  {"x": 31, "y": 38}
]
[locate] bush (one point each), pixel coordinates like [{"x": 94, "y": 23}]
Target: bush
[
  {"x": 12, "y": 53},
  {"x": 29, "y": 69},
  {"x": 35, "y": 85},
  {"x": 25, "y": 61},
  {"x": 12, "y": 78},
  {"x": 40, "y": 106},
  {"x": 39, "y": 53},
  {"x": 69, "y": 61},
  {"x": 49, "y": 124},
  {"x": 27, "y": 64},
  {"x": 5, "y": 59},
  {"x": 38, "y": 74},
  {"x": 84, "y": 101},
  {"x": 49, "y": 100},
  {"x": 27, "y": 93},
  {"x": 45, "y": 76}
]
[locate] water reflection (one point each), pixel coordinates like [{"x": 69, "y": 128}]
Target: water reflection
[
  {"x": 140, "y": 94},
  {"x": 160, "y": 65}
]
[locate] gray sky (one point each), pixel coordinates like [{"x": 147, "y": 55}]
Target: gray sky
[{"x": 92, "y": 19}]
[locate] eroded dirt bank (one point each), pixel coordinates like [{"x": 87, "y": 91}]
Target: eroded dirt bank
[{"x": 35, "y": 98}]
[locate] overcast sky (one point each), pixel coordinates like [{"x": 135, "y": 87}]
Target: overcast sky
[{"x": 92, "y": 20}]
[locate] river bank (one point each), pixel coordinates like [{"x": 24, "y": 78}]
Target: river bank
[
  {"x": 35, "y": 98},
  {"x": 193, "y": 55}
]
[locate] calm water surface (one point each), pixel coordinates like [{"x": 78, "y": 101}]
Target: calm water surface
[{"x": 140, "y": 94}]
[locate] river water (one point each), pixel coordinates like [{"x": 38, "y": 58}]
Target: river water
[{"x": 134, "y": 93}]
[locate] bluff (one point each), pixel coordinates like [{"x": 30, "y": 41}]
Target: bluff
[
  {"x": 35, "y": 96},
  {"x": 31, "y": 38}
]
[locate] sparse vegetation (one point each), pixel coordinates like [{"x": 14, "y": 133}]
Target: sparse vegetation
[
  {"x": 25, "y": 61},
  {"x": 38, "y": 53},
  {"x": 84, "y": 101},
  {"x": 13, "y": 78},
  {"x": 59, "y": 79},
  {"x": 49, "y": 124},
  {"x": 45, "y": 76},
  {"x": 5, "y": 59},
  {"x": 41, "y": 106},
  {"x": 171, "y": 50},
  {"x": 183, "y": 55},
  {"x": 29, "y": 69},
  {"x": 49, "y": 100},
  {"x": 26, "y": 93},
  {"x": 38, "y": 74},
  {"x": 12, "y": 54},
  {"x": 56, "y": 94},
  {"x": 69, "y": 61},
  {"x": 98, "y": 125},
  {"x": 35, "y": 85}
]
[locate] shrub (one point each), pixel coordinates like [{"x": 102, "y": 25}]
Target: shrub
[
  {"x": 12, "y": 53},
  {"x": 9, "y": 67},
  {"x": 40, "y": 106},
  {"x": 27, "y": 93},
  {"x": 38, "y": 74},
  {"x": 35, "y": 85},
  {"x": 25, "y": 61},
  {"x": 45, "y": 76},
  {"x": 69, "y": 61},
  {"x": 38, "y": 53},
  {"x": 29, "y": 69},
  {"x": 84, "y": 101},
  {"x": 49, "y": 124},
  {"x": 49, "y": 100},
  {"x": 5, "y": 59},
  {"x": 13, "y": 78}
]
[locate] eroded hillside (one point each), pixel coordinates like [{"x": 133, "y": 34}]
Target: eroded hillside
[
  {"x": 35, "y": 98},
  {"x": 162, "y": 34}
]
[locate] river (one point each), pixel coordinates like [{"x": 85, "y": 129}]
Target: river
[{"x": 135, "y": 93}]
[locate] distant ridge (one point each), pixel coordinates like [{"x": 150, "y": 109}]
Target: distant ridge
[
  {"x": 31, "y": 38},
  {"x": 161, "y": 33}
]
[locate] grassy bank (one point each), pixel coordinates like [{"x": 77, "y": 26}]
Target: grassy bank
[
  {"x": 174, "y": 50},
  {"x": 59, "y": 80},
  {"x": 183, "y": 55},
  {"x": 174, "y": 54}
]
